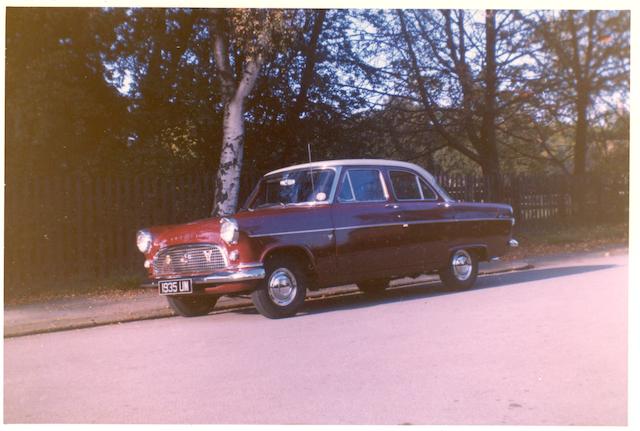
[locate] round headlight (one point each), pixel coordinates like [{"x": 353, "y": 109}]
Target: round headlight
[
  {"x": 229, "y": 230},
  {"x": 143, "y": 240}
]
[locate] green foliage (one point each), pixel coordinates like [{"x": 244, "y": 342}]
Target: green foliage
[
  {"x": 61, "y": 114},
  {"x": 260, "y": 31},
  {"x": 181, "y": 141},
  {"x": 610, "y": 154},
  {"x": 136, "y": 90}
]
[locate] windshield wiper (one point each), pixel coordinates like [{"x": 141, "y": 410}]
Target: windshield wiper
[
  {"x": 285, "y": 205},
  {"x": 271, "y": 204}
]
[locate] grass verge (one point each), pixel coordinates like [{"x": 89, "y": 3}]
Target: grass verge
[
  {"x": 117, "y": 285},
  {"x": 536, "y": 240}
]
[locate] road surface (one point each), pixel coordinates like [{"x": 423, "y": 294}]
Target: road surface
[{"x": 546, "y": 346}]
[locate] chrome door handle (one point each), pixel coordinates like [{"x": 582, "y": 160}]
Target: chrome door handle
[{"x": 392, "y": 206}]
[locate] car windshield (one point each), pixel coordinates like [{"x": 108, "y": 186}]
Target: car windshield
[{"x": 294, "y": 187}]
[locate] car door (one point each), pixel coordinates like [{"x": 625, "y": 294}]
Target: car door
[
  {"x": 368, "y": 226},
  {"x": 427, "y": 217}
]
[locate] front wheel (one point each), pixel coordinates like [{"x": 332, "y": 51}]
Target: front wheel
[
  {"x": 282, "y": 291},
  {"x": 191, "y": 306},
  {"x": 461, "y": 271}
]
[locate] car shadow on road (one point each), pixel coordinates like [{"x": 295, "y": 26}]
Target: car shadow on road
[{"x": 353, "y": 300}]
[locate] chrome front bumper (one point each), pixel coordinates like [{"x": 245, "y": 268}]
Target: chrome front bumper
[
  {"x": 220, "y": 277},
  {"x": 246, "y": 274}
]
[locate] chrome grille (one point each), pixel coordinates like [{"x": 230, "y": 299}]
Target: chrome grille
[{"x": 189, "y": 259}]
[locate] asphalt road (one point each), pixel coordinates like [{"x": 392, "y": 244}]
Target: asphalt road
[{"x": 546, "y": 346}]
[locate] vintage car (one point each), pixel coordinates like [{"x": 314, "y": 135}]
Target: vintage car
[{"x": 325, "y": 224}]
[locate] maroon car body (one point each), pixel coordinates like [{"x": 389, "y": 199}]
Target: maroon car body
[{"x": 324, "y": 224}]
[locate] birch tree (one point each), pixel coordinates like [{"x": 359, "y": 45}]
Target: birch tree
[{"x": 242, "y": 39}]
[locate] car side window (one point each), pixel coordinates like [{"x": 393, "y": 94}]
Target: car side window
[
  {"x": 405, "y": 185},
  {"x": 346, "y": 189},
  {"x": 361, "y": 185},
  {"x": 427, "y": 191},
  {"x": 409, "y": 186}
]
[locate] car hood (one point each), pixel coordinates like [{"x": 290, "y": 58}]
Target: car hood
[
  {"x": 205, "y": 230},
  {"x": 259, "y": 222},
  {"x": 276, "y": 219}
]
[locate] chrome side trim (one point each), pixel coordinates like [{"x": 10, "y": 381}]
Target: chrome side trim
[
  {"x": 293, "y": 232},
  {"x": 376, "y": 225},
  {"x": 370, "y": 225},
  {"x": 420, "y": 222},
  {"x": 483, "y": 219}
]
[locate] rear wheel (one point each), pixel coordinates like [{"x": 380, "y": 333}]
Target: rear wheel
[
  {"x": 282, "y": 291},
  {"x": 461, "y": 271},
  {"x": 191, "y": 306},
  {"x": 373, "y": 287}
]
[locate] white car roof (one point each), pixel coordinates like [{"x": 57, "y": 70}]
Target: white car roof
[
  {"x": 350, "y": 162},
  {"x": 368, "y": 162}
]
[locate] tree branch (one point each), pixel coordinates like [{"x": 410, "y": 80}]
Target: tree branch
[
  {"x": 221, "y": 54},
  {"x": 426, "y": 100},
  {"x": 249, "y": 77}
]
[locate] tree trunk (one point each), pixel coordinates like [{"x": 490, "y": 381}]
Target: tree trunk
[
  {"x": 581, "y": 73},
  {"x": 580, "y": 146},
  {"x": 489, "y": 149},
  {"x": 311, "y": 58},
  {"x": 493, "y": 190},
  {"x": 292, "y": 121},
  {"x": 228, "y": 177},
  {"x": 580, "y": 152},
  {"x": 227, "y": 186}
]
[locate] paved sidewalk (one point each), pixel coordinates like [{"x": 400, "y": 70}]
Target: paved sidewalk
[{"x": 75, "y": 313}]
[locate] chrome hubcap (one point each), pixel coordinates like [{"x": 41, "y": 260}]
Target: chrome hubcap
[
  {"x": 282, "y": 287},
  {"x": 462, "y": 265}
]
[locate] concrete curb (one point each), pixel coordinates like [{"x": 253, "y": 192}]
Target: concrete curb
[{"x": 61, "y": 316}]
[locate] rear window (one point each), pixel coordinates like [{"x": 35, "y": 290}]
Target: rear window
[
  {"x": 409, "y": 186},
  {"x": 405, "y": 185},
  {"x": 427, "y": 192}
]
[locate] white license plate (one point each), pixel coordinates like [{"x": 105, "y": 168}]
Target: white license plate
[{"x": 175, "y": 287}]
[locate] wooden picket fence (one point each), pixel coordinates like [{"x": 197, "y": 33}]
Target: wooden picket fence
[
  {"x": 59, "y": 229},
  {"x": 539, "y": 198},
  {"x": 82, "y": 227}
]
